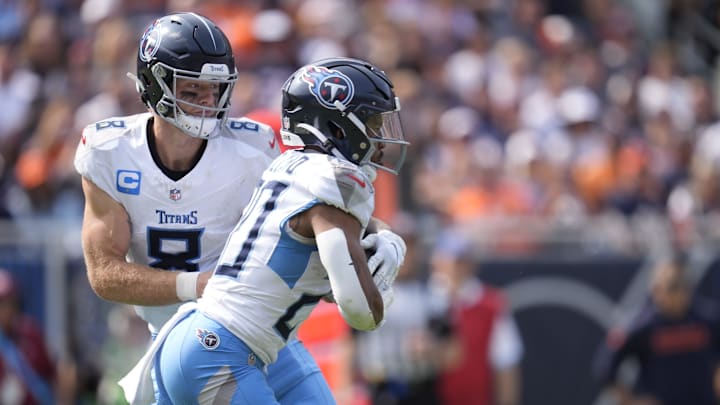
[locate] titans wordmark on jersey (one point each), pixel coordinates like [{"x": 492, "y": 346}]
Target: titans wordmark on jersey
[
  {"x": 176, "y": 225},
  {"x": 269, "y": 278}
]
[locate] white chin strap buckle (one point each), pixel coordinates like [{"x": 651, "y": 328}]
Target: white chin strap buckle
[{"x": 197, "y": 126}]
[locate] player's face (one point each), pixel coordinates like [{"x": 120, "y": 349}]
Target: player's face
[
  {"x": 377, "y": 156},
  {"x": 373, "y": 125},
  {"x": 390, "y": 144},
  {"x": 194, "y": 94}
]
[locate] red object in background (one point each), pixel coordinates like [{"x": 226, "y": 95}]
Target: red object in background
[
  {"x": 323, "y": 334},
  {"x": 470, "y": 381},
  {"x": 386, "y": 196},
  {"x": 328, "y": 339}
]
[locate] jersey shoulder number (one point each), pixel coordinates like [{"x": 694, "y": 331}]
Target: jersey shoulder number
[
  {"x": 255, "y": 133},
  {"x": 100, "y": 140},
  {"x": 101, "y": 132}
]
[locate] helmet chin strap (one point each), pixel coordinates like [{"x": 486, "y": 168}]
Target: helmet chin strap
[
  {"x": 369, "y": 168},
  {"x": 197, "y": 127},
  {"x": 326, "y": 144},
  {"x": 351, "y": 116},
  {"x": 359, "y": 124},
  {"x": 138, "y": 84}
]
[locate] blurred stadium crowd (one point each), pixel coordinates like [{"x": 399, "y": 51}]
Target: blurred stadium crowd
[
  {"x": 550, "y": 109},
  {"x": 522, "y": 112}
]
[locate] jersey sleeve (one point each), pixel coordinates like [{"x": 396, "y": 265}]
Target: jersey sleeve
[
  {"x": 255, "y": 133},
  {"x": 93, "y": 156},
  {"x": 342, "y": 185}
]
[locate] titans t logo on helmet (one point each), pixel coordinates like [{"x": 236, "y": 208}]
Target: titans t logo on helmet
[
  {"x": 328, "y": 86},
  {"x": 149, "y": 43}
]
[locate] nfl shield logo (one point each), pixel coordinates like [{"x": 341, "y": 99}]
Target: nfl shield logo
[{"x": 175, "y": 194}]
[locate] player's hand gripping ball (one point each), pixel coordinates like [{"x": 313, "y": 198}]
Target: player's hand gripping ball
[{"x": 385, "y": 251}]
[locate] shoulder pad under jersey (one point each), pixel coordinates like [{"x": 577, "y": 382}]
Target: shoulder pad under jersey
[
  {"x": 340, "y": 184},
  {"x": 255, "y": 133},
  {"x": 100, "y": 139},
  {"x": 101, "y": 132}
]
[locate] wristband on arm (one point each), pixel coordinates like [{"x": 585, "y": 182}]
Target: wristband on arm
[{"x": 186, "y": 285}]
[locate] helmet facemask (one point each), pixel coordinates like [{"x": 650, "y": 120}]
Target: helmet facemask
[
  {"x": 346, "y": 108},
  {"x": 196, "y": 120},
  {"x": 382, "y": 138}
]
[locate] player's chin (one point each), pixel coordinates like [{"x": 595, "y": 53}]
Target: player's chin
[
  {"x": 201, "y": 114},
  {"x": 197, "y": 112}
]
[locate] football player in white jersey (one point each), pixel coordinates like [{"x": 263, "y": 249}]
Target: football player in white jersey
[
  {"x": 298, "y": 240},
  {"x": 163, "y": 189}
]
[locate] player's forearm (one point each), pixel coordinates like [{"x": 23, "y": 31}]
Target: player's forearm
[
  {"x": 129, "y": 283},
  {"x": 360, "y": 308},
  {"x": 370, "y": 292}
]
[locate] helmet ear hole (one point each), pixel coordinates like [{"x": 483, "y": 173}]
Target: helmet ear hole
[{"x": 336, "y": 130}]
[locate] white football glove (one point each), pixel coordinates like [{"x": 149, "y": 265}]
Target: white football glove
[
  {"x": 385, "y": 263},
  {"x": 386, "y": 291},
  {"x": 389, "y": 253}
]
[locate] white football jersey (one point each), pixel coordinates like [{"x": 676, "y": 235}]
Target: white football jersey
[
  {"x": 269, "y": 278},
  {"x": 176, "y": 225}
]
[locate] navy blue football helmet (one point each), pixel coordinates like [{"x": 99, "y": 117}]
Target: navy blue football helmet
[
  {"x": 180, "y": 48},
  {"x": 347, "y": 108}
]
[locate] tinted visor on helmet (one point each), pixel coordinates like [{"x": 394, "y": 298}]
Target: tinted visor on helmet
[{"x": 388, "y": 141}]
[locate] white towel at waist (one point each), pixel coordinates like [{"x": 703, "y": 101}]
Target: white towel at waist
[{"x": 138, "y": 384}]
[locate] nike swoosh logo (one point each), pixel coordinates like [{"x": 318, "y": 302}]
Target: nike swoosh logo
[
  {"x": 355, "y": 179},
  {"x": 272, "y": 143}
]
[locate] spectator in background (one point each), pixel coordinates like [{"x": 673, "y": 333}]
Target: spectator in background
[
  {"x": 488, "y": 191},
  {"x": 483, "y": 348},
  {"x": 19, "y": 89},
  {"x": 27, "y": 373},
  {"x": 675, "y": 340},
  {"x": 43, "y": 167},
  {"x": 398, "y": 361},
  {"x": 581, "y": 144},
  {"x": 505, "y": 65}
]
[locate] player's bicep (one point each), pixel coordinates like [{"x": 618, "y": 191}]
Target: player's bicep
[
  {"x": 323, "y": 217},
  {"x": 106, "y": 226}
]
